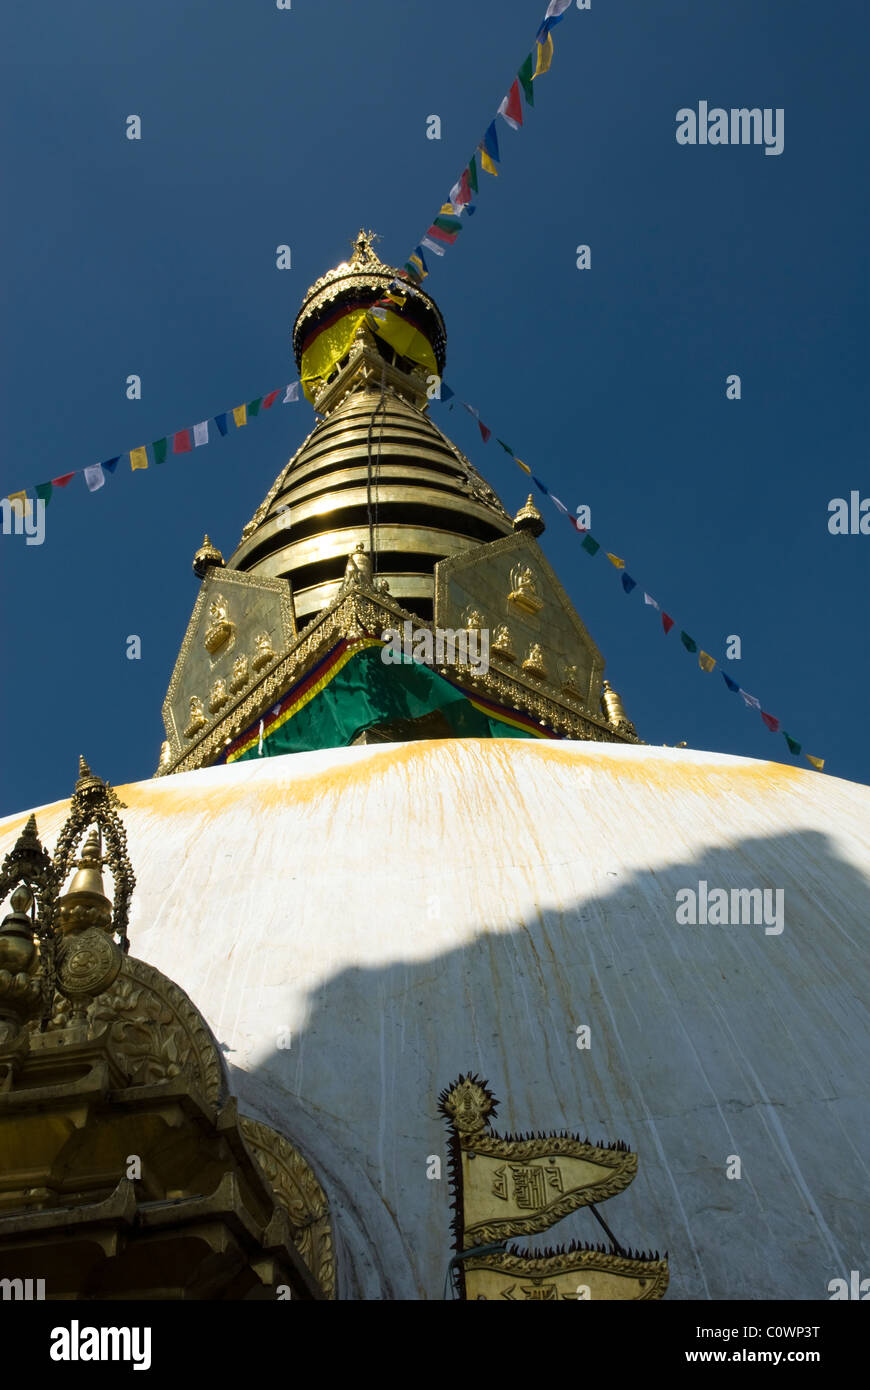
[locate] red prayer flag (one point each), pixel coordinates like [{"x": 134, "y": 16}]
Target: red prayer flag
[
  {"x": 438, "y": 235},
  {"x": 577, "y": 527},
  {"x": 181, "y": 442},
  {"x": 667, "y": 623},
  {"x": 771, "y": 722},
  {"x": 464, "y": 194},
  {"x": 484, "y": 431},
  {"x": 514, "y": 107},
  {"x": 62, "y": 480},
  {"x": 270, "y": 399}
]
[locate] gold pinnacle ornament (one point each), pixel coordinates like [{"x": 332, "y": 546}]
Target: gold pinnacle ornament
[{"x": 504, "y": 1185}]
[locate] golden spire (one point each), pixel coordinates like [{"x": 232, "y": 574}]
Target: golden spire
[
  {"x": 86, "y": 901},
  {"x": 528, "y": 518},
  {"x": 207, "y": 555}
]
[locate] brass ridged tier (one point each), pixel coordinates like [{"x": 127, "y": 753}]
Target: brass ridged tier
[{"x": 376, "y": 469}]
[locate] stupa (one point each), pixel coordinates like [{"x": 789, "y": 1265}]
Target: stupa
[{"x": 376, "y": 897}]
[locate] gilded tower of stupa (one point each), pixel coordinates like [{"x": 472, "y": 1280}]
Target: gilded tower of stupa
[{"x": 379, "y": 522}]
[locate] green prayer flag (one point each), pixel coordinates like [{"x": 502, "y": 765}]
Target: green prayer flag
[
  {"x": 43, "y": 491},
  {"x": 688, "y": 642},
  {"x": 254, "y": 406},
  {"x": 159, "y": 447},
  {"x": 472, "y": 174},
  {"x": 793, "y": 745},
  {"x": 507, "y": 448},
  {"x": 525, "y": 76},
  {"x": 590, "y": 545}
]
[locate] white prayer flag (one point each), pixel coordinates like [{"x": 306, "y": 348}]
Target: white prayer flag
[
  {"x": 648, "y": 599},
  {"x": 292, "y": 393},
  {"x": 556, "y": 7},
  {"x": 200, "y": 433},
  {"x": 750, "y": 700},
  {"x": 432, "y": 246},
  {"x": 260, "y": 744},
  {"x": 560, "y": 505},
  {"x": 502, "y": 111},
  {"x": 94, "y": 477}
]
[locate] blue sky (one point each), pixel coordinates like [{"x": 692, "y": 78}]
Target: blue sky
[{"x": 262, "y": 127}]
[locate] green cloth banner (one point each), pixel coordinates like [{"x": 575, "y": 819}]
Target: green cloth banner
[{"x": 370, "y": 691}]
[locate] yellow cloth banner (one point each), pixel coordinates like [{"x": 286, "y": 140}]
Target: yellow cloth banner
[
  {"x": 615, "y": 560},
  {"x": 705, "y": 661},
  {"x": 545, "y": 56},
  {"x": 405, "y": 339},
  {"x": 24, "y": 500},
  {"x": 327, "y": 349},
  {"x": 486, "y": 163},
  {"x": 240, "y": 415},
  {"x": 818, "y": 763},
  {"x": 138, "y": 458},
  {"x": 524, "y": 466}
]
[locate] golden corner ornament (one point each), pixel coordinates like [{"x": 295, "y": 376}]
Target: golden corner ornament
[{"x": 505, "y": 1185}]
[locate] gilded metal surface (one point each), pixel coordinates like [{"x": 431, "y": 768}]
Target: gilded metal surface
[
  {"x": 512, "y": 1187},
  {"x": 235, "y": 616},
  {"x": 513, "y": 585},
  {"x": 358, "y": 412},
  {"x": 506, "y": 1186},
  {"x": 370, "y": 611},
  {"x": 206, "y": 555},
  {"x": 300, "y": 1193},
  {"x": 528, "y": 518},
  {"x": 94, "y": 803},
  {"x": 579, "y": 1272},
  {"x": 367, "y": 272}
]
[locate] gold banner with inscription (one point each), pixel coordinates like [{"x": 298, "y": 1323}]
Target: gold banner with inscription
[{"x": 578, "y": 1275}]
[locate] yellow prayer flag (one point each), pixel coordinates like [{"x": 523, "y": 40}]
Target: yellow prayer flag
[
  {"x": 24, "y": 500},
  {"x": 818, "y": 763},
  {"x": 240, "y": 415},
  {"x": 545, "y": 56},
  {"x": 615, "y": 560},
  {"x": 486, "y": 163},
  {"x": 523, "y": 466},
  {"x": 448, "y": 210},
  {"x": 705, "y": 661},
  {"x": 139, "y": 457}
]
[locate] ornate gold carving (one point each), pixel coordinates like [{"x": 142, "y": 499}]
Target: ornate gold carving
[
  {"x": 165, "y": 754},
  {"x": 371, "y": 613},
  {"x": 155, "y": 1031},
  {"x": 27, "y": 867},
  {"x": 241, "y": 674},
  {"x": 263, "y": 652},
  {"x": 502, "y": 643},
  {"x": 578, "y": 1272},
  {"x": 528, "y": 518},
  {"x": 218, "y": 697},
  {"x": 300, "y": 1194},
  {"x": 220, "y": 629},
  {"x": 196, "y": 722},
  {"x": 358, "y": 570},
  {"x": 95, "y": 803},
  {"x": 206, "y": 556},
  {"x": 535, "y": 663},
  {"x": 525, "y": 590},
  {"x": 192, "y": 665}
]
